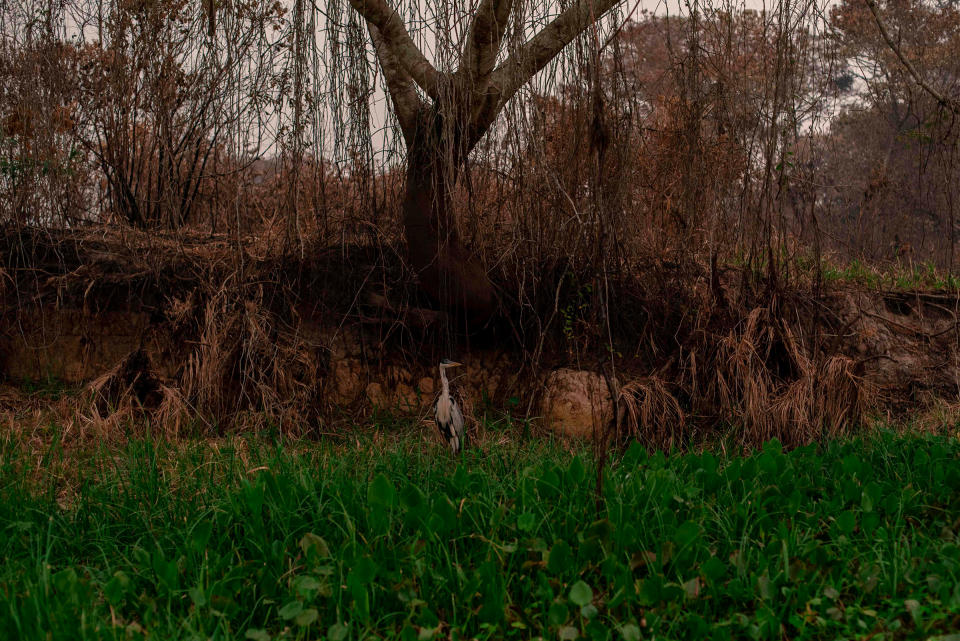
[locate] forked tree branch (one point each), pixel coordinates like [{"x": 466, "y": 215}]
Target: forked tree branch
[
  {"x": 484, "y": 39},
  {"x": 949, "y": 103},
  {"x": 491, "y": 88},
  {"x": 534, "y": 55},
  {"x": 406, "y": 102},
  {"x": 395, "y": 37}
]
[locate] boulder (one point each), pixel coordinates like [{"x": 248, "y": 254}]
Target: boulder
[
  {"x": 407, "y": 398},
  {"x": 377, "y": 396},
  {"x": 426, "y": 386},
  {"x": 576, "y": 402},
  {"x": 344, "y": 383}
]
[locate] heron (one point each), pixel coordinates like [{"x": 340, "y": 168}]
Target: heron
[{"x": 447, "y": 412}]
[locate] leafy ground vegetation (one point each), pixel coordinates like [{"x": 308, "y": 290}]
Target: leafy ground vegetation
[
  {"x": 253, "y": 539},
  {"x": 902, "y": 277}
]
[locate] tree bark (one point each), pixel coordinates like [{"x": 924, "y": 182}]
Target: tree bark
[
  {"x": 447, "y": 270},
  {"x": 440, "y": 134}
]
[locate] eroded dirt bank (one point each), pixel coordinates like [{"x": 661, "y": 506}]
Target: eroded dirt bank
[{"x": 179, "y": 335}]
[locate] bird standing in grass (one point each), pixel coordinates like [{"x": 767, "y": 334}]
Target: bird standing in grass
[{"x": 447, "y": 412}]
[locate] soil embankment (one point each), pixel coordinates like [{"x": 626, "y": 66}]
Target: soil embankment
[{"x": 185, "y": 330}]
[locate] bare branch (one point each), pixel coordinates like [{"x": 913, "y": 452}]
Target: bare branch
[
  {"x": 949, "y": 103},
  {"x": 543, "y": 47},
  {"x": 533, "y": 56},
  {"x": 406, "y": 102},
  {"x": 395, "y": 36},
  {"x": 210, "y": 8},
  {"x": 486, "y": 35}
]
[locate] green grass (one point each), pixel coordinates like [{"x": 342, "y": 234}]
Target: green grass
[
  {"x": 50, "y": 387},
  {"x": 263, "y": 540},
  {"x": 884, "y": 275},
  {"x": 923, "y": 277}
]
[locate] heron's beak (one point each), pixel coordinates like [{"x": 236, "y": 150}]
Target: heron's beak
[{"x": 454, "y": 364}]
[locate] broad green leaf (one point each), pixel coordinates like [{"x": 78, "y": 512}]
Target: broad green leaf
[
  {"x": 425, "y": 633},
  {"x": 576, "y": 472},
  {"x": 713, "y": 569},
  {"x": 852, "y": 465},
  {"x": 548, "y": 483},
  {"x": 381, "y": 492},
  {"x": 768, "y": 464},
  {"x": 201, "y": 535},
  {"x": 361, "y": 601},
  {"x": 764, "y": 586},
  {"x": 413, "y": 499},
  {"x": 314, "y": 546},
  {"x": 651, "y": 590},
  {"x": 306, "y": 586},
  {"x": 253, "y": 496},
  {"x": 461, "y": 479},
  {"x": 64, "y": 580},
  {"x": 692, "y": 588},
  {"x": 256, "y": 634},
  {"x": 635, "y": 454},
  {"x": 291, "y": 610},
  {"x": 167, "y": 572},
  {"x": 851, "y": 490},
  {"x": 493, "y": 589},
  {"x": 141, "y": 557},
  {"x": 913, "y": 607},
  {"x": 363, "y": 570},
  {"x": 869, "y": 522},
  {"x": 580, "y": 593},
  {"x": 557, "y": 614},
  {"x": 197, "y": 596},
  {"x": 600, "y": 530},
  {"x": 630, "y": 632},
  {"x": 686, "y": 534},
  {"x": 116, "y": 588},
  {"x": 306, "y": 617},
  {"x": 445, "y": 512},
  {"x": 560, "y": 557},
  {"x": 428, "y": 618},
  {"x": 567, "y": 633},
  {"x": 847, "y": 522},
  {"x": 337, "y": 632},
  {"x": 526, "y": 522}
]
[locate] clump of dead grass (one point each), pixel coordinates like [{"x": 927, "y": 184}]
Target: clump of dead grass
[
  {"x": 648, "y": 411},
  {"x": 772, "y": 384},
  {"x": 249, "y": 366},
  {"x": 129, "y": 394},
  {"x": 937, "y": 416}
]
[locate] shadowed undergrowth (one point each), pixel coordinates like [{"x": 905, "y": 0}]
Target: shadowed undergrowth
[{"x": 395, "y": 539}]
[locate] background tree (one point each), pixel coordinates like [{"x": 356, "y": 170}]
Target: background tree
[{"x": 891, "y": 157}]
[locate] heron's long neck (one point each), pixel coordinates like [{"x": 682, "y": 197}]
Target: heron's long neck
[{"x": 444, "y": 382}]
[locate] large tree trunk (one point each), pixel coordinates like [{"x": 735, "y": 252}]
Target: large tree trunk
[
  {"x": 436, "y": 150},
  {"x": 447, "y": 270}
]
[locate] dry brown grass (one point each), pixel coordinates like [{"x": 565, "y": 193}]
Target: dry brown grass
[
  {"x": 127, "y": 394},
  {"x": 650, "y": 413},
  {"x": 247, "y": 362},
  {"x": 937, "y": 416},
  {"x": 771, "y": 384}
]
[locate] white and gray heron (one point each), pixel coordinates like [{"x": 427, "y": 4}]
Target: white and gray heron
[{"x": 447, "y": 412}]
